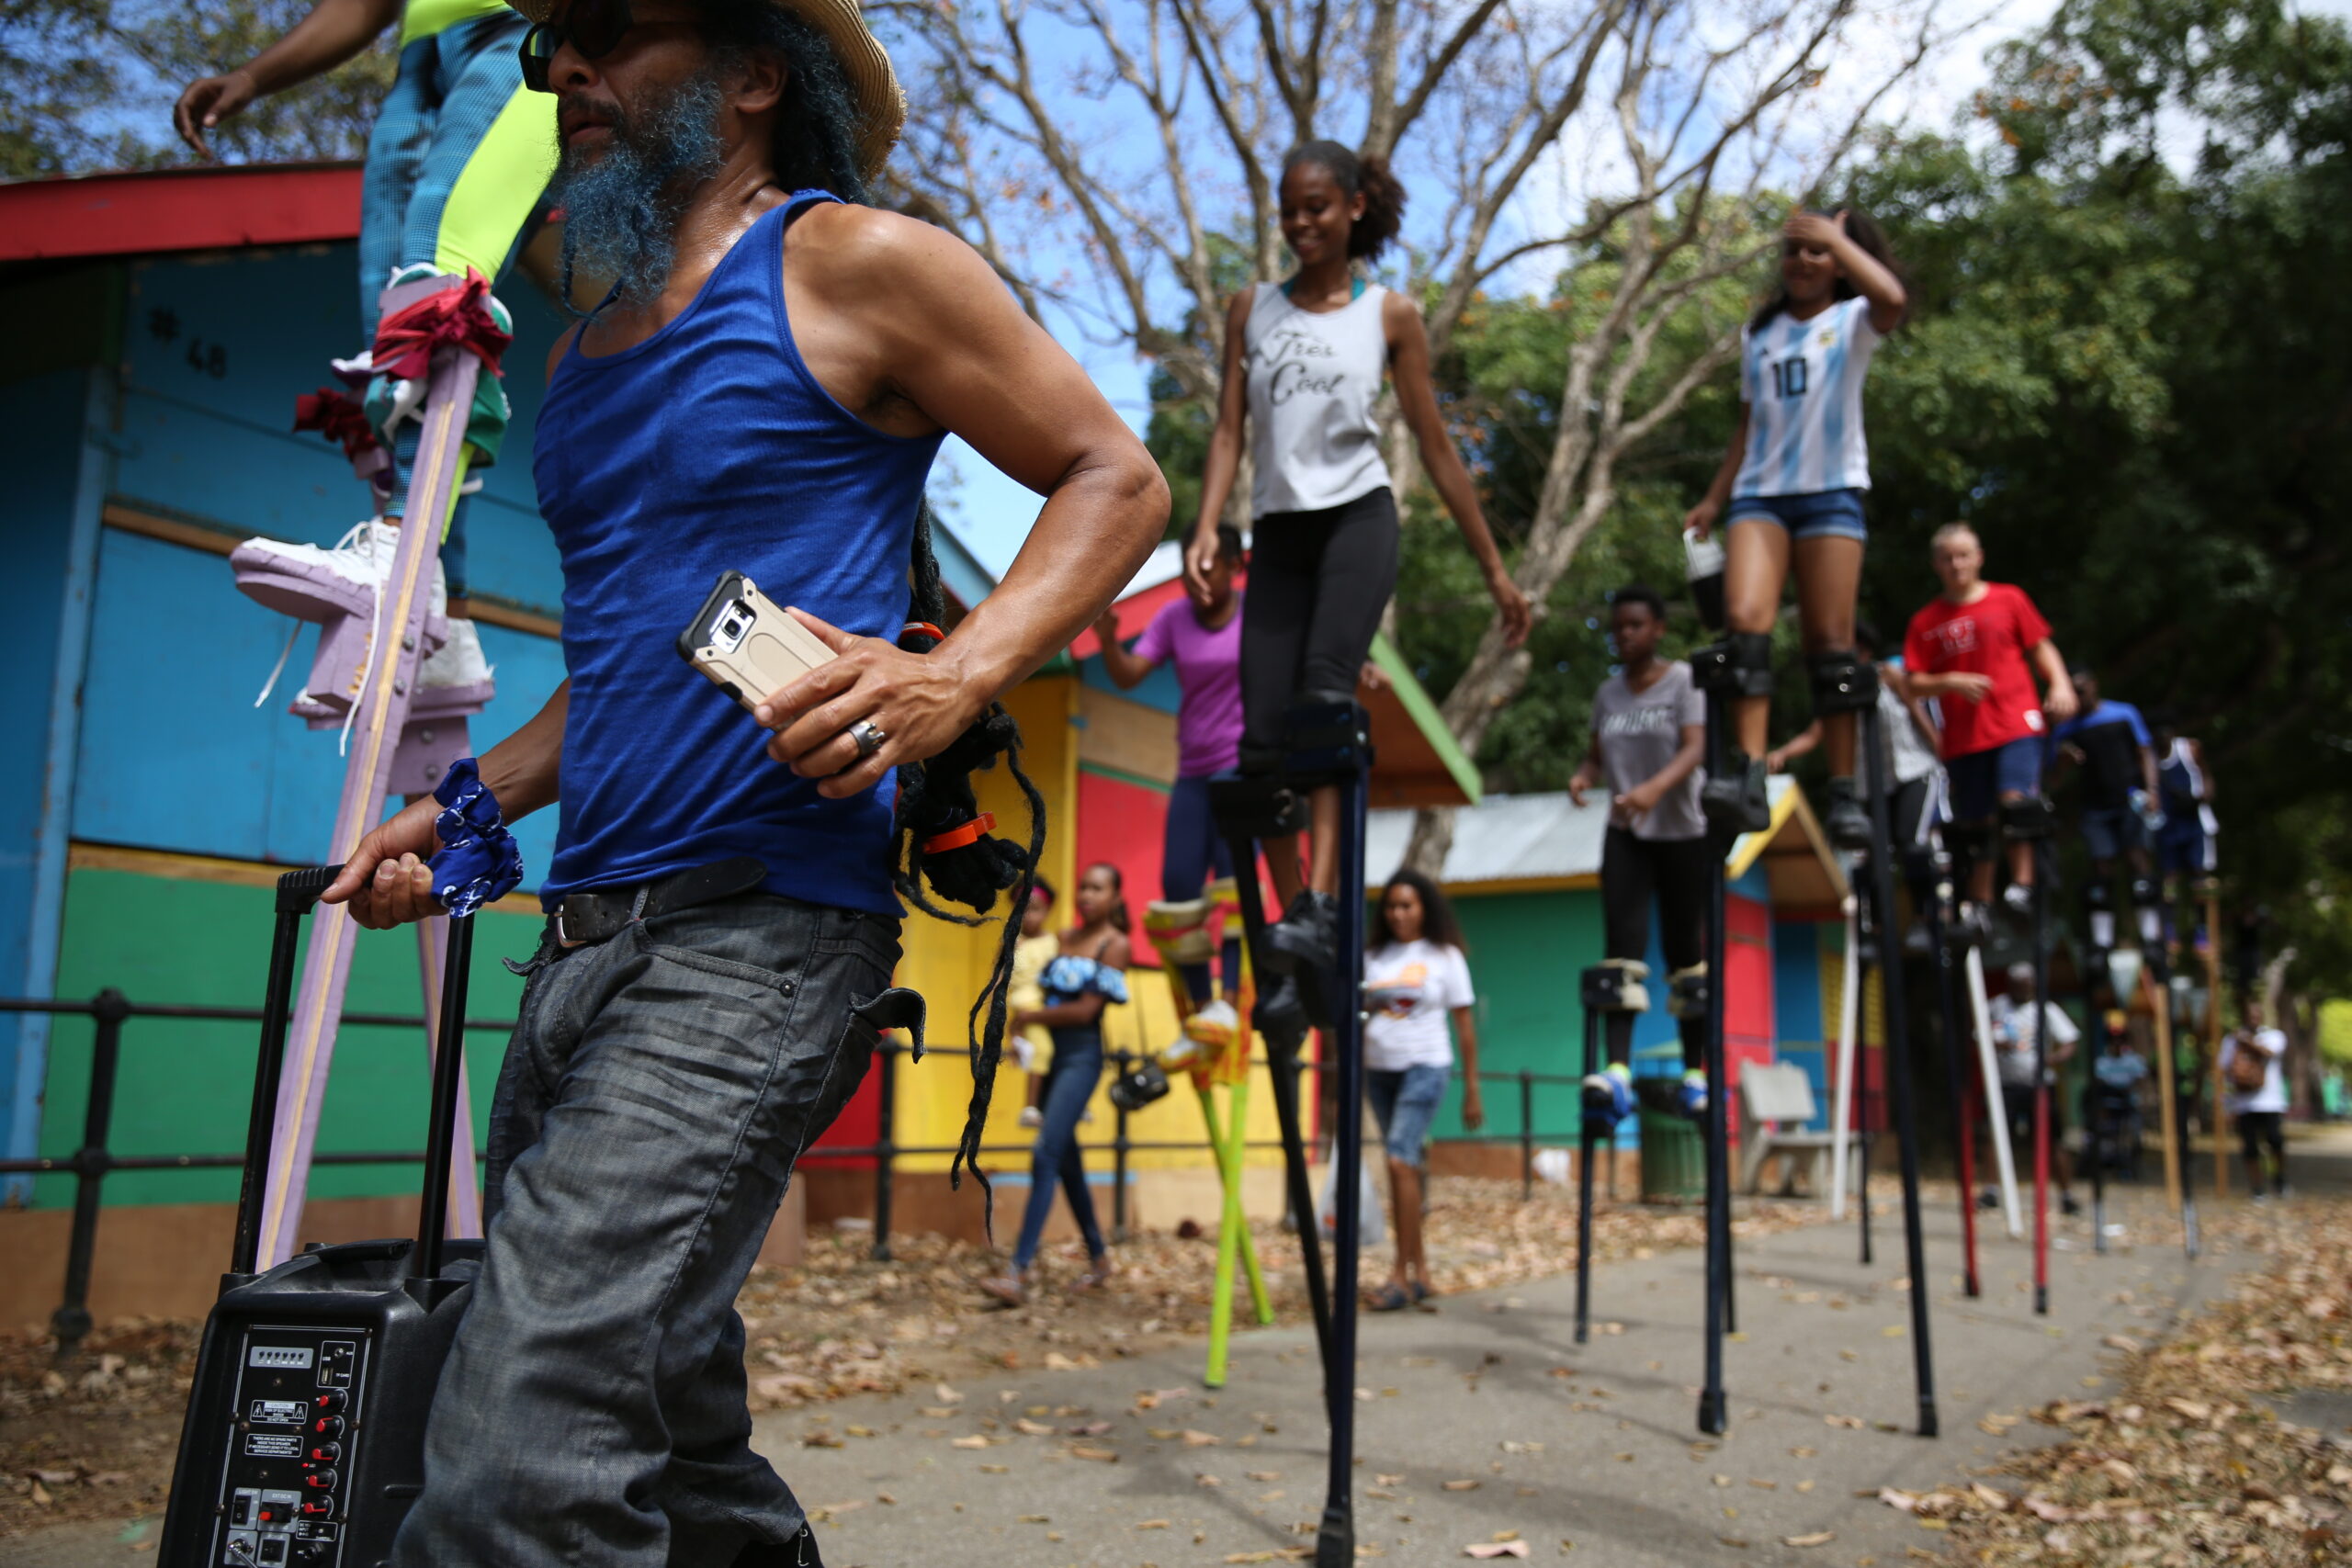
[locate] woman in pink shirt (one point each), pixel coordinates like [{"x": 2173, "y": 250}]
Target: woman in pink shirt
[{"x": 1202, "y": 633}]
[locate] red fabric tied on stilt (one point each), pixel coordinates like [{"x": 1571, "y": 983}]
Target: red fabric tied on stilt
[
  {"x": 456, "y": 318},
  {"x": 338, "y": 418}
]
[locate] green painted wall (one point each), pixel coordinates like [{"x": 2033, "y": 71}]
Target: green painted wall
[
  {"x": 186, "y": 1087},
  {"x": 1526, "y": 950}
]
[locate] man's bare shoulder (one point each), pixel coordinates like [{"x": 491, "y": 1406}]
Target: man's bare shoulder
[{"x": 872, "y": 251}]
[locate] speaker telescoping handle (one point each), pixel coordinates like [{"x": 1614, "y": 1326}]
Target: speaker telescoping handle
[
  {"x": 448, "y": 1067},
  {"x": 298, "y": 892}
]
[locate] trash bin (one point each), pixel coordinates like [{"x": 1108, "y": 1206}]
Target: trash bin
[{"x": 1674, "y": 1158}]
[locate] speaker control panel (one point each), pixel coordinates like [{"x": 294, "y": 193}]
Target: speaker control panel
[{"x": 283, "y": 1498}]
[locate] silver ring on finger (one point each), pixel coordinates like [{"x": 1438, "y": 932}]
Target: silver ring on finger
[{"x": 869, "y": 737}]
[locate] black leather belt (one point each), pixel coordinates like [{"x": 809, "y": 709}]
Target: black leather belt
[{"x": 600, "y": 914}]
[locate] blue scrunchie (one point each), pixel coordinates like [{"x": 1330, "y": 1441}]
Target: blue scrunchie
[{"x": 478, "y": 860}]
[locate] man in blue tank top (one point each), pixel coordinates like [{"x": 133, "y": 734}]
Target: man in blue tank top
[{"x": 763, "y": 391}]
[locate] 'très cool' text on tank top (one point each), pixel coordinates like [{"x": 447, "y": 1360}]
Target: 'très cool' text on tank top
[
  {"x": 709, "y": 448},
  {"x": 1312, "y": 376}
]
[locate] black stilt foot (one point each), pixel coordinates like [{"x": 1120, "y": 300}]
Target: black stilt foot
[
  {"x": 1929, "y": 1426},
  {"x": 1711, "y": 1413},
  {"x": 1335, "y": 1544}
]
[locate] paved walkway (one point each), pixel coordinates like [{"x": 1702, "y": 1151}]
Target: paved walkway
[{"x": 1486, "y": 1417}]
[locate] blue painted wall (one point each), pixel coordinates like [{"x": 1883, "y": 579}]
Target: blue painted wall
[
  {"x": 242, "y": 783},
  {"x": 216, "y": 351},
  {"x": 40, "y": 430}
]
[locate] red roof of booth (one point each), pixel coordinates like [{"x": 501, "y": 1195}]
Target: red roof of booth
[{"x": 178, "y": 209}]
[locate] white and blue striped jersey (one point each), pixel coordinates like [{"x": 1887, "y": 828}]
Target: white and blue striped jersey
[{"x": 1802, "y": 384}]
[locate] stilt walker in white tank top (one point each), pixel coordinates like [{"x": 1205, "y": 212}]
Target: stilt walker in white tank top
[{"x": 1303, "y": 367}]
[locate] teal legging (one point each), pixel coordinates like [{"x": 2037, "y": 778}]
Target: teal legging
[{"x": 460, "y": 154}]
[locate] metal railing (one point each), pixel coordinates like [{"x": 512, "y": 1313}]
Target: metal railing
[{"x": 93, "y": 1160}]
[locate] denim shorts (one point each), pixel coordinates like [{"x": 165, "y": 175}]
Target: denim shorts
[
  {"x": 2111, "y": 830},
  {"x": 1406, "y": 1102},
  {"x": 1824, "y": 513},
  {"x": 1980, "y": 779}
]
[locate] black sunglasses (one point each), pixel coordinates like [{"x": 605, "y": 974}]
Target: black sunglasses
[{"x": 593, "y": 27}]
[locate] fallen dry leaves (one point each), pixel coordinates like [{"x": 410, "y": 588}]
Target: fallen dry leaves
[
  {"x": 2189, "y": 1463},
  {"x": 842, "y": 1324}
]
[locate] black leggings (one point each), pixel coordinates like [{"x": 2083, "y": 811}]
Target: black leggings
[
  {"x": 1674, "y": 871},
  {"x": 1318, "y": 581},
  {"x": 2259, "y": 1130}
]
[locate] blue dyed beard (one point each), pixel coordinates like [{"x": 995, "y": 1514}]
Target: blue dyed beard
[{"x": 621, "y": 208}]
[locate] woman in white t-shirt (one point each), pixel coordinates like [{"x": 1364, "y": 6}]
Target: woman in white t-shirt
[
  {"x": 2260, "y": 1114},
  {"x": 1414, "y": 979}
]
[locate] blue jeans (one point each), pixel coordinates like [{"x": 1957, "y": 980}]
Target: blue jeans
[
  {"x": 1069, "y": 1084},
  {"x": 1404, "y": 1102},
  {"x": 1190, "y": 853},
  {"x": 657, "y": 1090}
]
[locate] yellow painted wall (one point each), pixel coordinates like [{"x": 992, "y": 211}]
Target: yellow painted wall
[{"x": 948, "y": 964}]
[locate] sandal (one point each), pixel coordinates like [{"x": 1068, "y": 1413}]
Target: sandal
[
  {"x": 1011, "y": 1288},
  {"x": 1097, "y": 1275},
  {"x": 1424, "y": 1295},
  {"x": 1391, "y": 1298}
]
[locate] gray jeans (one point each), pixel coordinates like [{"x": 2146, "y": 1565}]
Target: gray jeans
[{"x": 658, "y": 1089}]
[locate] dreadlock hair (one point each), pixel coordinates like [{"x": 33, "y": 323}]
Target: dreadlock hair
[
  {"x": 815, "y": 142},
  {"x": 1366, "y": 175},
  {"x": 815, "y": 148},
  {"x": 1864, "y": 232}
]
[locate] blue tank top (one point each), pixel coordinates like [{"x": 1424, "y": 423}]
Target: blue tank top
[{"x": 709, "y": 448}]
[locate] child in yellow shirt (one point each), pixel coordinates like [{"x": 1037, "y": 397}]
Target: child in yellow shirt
[{"x": 1032, "y": 1047}]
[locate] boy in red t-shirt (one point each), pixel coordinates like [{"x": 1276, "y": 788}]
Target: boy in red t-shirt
[{"x": 1976, "y": 645}]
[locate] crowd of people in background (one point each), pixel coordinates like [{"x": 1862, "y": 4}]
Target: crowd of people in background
[{"x": 1980, "y": 713}]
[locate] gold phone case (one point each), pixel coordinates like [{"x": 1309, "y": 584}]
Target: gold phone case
[{"x": 745, "y": 643}]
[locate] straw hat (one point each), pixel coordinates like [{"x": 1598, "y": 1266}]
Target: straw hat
[{"x": 881, "y": 103}]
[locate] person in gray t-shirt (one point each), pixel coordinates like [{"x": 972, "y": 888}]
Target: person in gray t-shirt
[{"x": 1649, "y": 730}]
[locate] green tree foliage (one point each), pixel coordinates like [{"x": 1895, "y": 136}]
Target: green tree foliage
[
  {"x": 2123, "y": 365},
  {"x": 89, "y": 84}
]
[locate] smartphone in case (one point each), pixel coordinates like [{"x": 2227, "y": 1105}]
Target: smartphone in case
[{"x": 745, "y": 643}]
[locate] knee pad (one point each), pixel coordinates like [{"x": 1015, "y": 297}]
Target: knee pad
[
  {"x": 1257, "y": 802},
  {"x": 1326, "y": 731},
  {"x": 1179, "y": 933},
  {"x": 1617, "y": 985},
  {"x": 2028, "y": 819},
  {"x": 1223, "y": 896},
  {"x": 1740, "y": 666},
  {"x": 1841, "y": 681},
  {"x": 2099, "y": 897},
  {"x": 1685, "y": 992},
  {"x": 2144, "y": 893}
]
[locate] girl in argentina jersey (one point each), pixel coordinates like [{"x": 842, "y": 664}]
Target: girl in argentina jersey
[{"x": 1791, "y": 488}]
